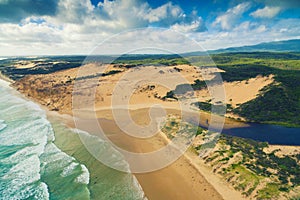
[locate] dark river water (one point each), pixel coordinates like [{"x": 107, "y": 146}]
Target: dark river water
[{"x": 273, "y": 134}]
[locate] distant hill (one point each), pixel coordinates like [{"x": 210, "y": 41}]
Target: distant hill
[
  {"x": 286, "y": 45},
  {"x": 278, "y": 46}
]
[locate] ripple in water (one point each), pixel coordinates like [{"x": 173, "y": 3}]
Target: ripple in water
[{"x": 31, "y": 166}]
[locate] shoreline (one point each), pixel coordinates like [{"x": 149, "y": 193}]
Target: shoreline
[
  {"x": 101, "y": 176},
  {"x": 164, "y": 183},
  {"x": 155, "y": 184},
  {"x": 82, "y": 156},
  {"x": 148, "y": 179}
]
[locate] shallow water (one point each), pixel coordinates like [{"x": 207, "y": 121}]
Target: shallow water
[
  {"x": 33, "y": 167},
  {"x": 105, "y": 183}
]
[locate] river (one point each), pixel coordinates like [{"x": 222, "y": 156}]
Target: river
[{"x": 273, "y": 134}]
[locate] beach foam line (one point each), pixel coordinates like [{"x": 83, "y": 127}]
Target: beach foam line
[
  {"x": 26, "y": 138},
  {"x": 107, "y": 154},
  {"x": 84, "y": 177},
  {"x": 111, "y": 156},
  {"x": 2, "y": 125}
]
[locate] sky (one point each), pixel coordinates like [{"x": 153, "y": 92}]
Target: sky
[{"x": 76, "y": 27}]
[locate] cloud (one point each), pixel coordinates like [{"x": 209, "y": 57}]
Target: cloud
[
  {"x": 154, "y": 40},
  {"x": 78, "y": 26},
  {"x": 189, "y": 23},
  {"x": 118, "y": 15},
  {"x": 168, "y": 13},
  {"x": 266, "y": 12},
  {"x": 15, "y": 10},
  {"x": 229, "y": 19},
  {"x": 194, "y": 26},
  {"x": 249, "y": 33}
]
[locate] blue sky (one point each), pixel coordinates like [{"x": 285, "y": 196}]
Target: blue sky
[{"x": 40, "y": 27}]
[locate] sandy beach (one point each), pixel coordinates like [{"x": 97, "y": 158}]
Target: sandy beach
[
  {"x": 161, "y": 184},
  {"x": 149, "y": 100},
  {"x": 164, "y": 183},
  {"x": 188, "y": 172}
]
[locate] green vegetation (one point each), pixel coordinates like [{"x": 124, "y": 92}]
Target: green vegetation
[
  {"x": 130, "y": 61},
  {"x": 112, "y": 72},
  {"x": 43, "y": 65},
  {"x": 218, "y": 108},
  {"x": 246, "y": 165},
  {"x": 269, "y": 192},
  {"x": 184, "y": 88},
  {"x": 175, "y": 127},
  {"x": 242, "y": 72},
  {"x": 278, "y": 103},
  {"x": 170, "y": 95}
]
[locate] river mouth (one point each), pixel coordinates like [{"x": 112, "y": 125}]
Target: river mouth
[{"x": 273, "y": 134}]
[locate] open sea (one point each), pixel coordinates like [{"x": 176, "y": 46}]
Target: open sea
[{"x": 33, "y": 167}]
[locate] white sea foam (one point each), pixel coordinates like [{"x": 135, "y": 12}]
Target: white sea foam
[
  {"x": 11, "y": 108},
  {"x": 23, "y": 154},
  {"x": 42, "y": 192},
  {"x": 2, "y": 125},
  {"x": 141, "y": 194},
  {"x": 106, "y": 153},
  {"x": 69, "y": 169},
  {"x": 84, "y": 178},
  {"x": 21, "y": 181},
  {"x": 53, "y": 159},
  {"x": 27, "y": 171},
  {"x": 20, "y": 178},
  {"x": 4, "y": 83},
  {"x": 21, "y": 136},
  {"x": 112, "y": 156},
  {"x": 27, "y": 127},
  {"x": 39, "y": 192}
]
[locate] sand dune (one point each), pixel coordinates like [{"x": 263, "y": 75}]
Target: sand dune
[{"x": 183, "y": 179}]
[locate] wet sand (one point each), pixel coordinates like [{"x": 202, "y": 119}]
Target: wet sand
[{"x": 180, "y": 180}]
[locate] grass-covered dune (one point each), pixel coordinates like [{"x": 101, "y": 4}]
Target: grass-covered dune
[
  {"x": 256, "y": 169},
  {"x": 277, "y": 103}
]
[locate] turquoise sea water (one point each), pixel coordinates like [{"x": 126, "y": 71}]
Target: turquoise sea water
[{"x": 33, "y": 167}]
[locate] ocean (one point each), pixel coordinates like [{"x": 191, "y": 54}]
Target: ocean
[{"x": 44, "y": 160}]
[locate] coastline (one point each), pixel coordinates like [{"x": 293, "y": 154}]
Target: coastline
[
  {"x": 157, "y": 183},
  {"x": 163, "y": 183},
  {"x": 102, "y": 178},
  {"x": 76, "y": 149},
  {"x": 4, "y": 78},
  {"x": 196, "y": 180},
  {"x": 148, "y": 181},
  {"x": 159, "y": 178}
]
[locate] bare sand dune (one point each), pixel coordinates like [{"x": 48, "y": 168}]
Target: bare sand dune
[
  {"x": 184, "y": 178},
  {"x": 243, "y": 91}
]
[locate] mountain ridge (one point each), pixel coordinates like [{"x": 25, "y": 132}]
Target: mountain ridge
[{"x": 292, "y": 45}]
